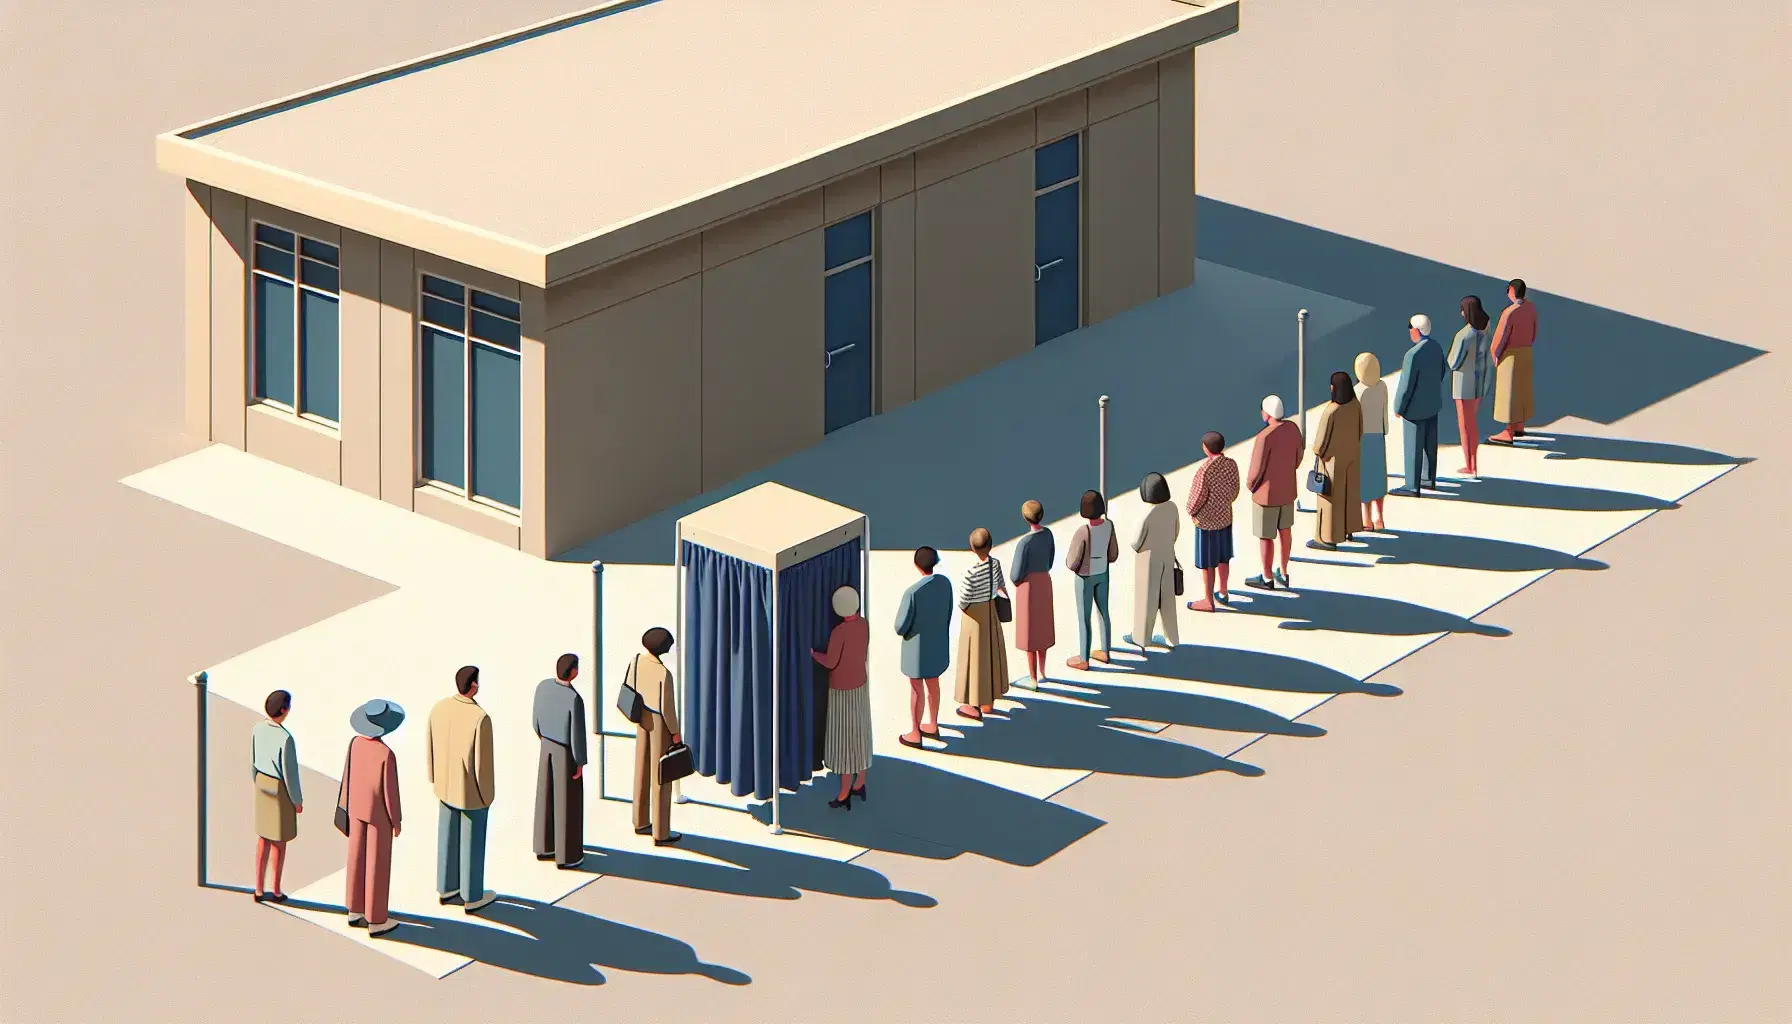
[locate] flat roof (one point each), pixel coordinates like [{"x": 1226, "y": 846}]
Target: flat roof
[
  {"x": 546, "y": 151},
  {"x": 772, "y": 525}
]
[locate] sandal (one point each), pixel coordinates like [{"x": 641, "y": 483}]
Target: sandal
[
  {"x": 973, "y": 715},
  {"x": 918, "y": 744}
]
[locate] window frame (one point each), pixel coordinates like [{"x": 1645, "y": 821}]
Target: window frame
[
  {"x": 877, "y": 300},
  {"x": 299, "y": 287},
  {"x": 468, "y": 340},
  {"x": 1079, "y": 179}
]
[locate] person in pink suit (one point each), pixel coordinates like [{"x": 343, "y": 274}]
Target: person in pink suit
[{"x": 369, "y": 798}]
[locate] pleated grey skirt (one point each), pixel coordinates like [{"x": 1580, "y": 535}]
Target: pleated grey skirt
[{"x": 847, "y": 748}]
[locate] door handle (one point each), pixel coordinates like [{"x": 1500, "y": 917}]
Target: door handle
[
  {"x": 1039, "y": 269},
  {"x": 829, "y": 363}
]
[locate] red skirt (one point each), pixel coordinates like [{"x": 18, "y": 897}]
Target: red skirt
[{"x": 1034, "y": 628}]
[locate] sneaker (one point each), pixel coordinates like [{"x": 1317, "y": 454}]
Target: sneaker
[
  {"x": 481, "y": 903},
  {"x": 1260, "y": 583},
  {"x": 1282, "y": 578},
  {"x": 1077, "y": 664},
  {"x": 376, "y": 930},
  {"x": 357, "y": 921},
  {"x": 448, "y": 899}
]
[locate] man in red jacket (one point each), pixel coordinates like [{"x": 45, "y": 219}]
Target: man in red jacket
[{"x": 1275, "y": 460}]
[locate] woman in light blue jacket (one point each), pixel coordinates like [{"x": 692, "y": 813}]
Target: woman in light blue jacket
[{"x": 1471, "y": 378}]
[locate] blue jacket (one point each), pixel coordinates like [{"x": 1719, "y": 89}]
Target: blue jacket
[
  {"x": 1421, "y": 394},
  {"x": 924, "y": 622}
]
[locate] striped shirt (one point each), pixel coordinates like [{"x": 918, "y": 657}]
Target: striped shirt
[
  {"x": 981, "y": 583},
  {"x": 1211, "y": 496}
]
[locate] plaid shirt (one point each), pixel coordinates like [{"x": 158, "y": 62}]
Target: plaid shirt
[{"x": 1211, "y": 496}]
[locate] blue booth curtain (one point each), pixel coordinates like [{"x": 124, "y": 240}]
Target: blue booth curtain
[{"x": 727, "y": 639}]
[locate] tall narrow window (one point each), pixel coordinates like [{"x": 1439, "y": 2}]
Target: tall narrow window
[
  {"x": 847, "y": 281},
  {"x": 470, "y": 350},
  {"x": 296, "y": 353}
]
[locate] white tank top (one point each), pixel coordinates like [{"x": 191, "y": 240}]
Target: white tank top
[{"x": 1098, "y": 546}]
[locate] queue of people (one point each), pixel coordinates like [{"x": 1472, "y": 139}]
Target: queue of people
[{"x": 459, "y": 760}]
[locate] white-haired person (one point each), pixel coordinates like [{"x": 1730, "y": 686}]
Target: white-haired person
[
  {"x": 1417, "y": 401},
  {"x": 1275, "y": 462},
  {"x": 846, "y": 746}
]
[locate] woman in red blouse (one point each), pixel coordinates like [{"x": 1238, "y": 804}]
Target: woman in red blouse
[
  {"x": 847, "y": 742},
  {"x": 1210, "y": 506}
]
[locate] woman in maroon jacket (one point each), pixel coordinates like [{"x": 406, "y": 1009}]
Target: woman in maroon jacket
[
  {"x": 847, "y": 750},
  {"x": 369, "y": 796}
]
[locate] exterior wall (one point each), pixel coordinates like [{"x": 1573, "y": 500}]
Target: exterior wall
[
  {"x": 1176, "y": 156},
  {"x": 197, "y": 243},
  {"x": 361, "y": 359},
  {"x": 1120, "y": 212},
  {"x": 398, "y": 368}
]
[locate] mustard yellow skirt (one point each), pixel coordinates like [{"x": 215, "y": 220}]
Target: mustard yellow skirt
[
  {"x": 275, "y": 818},
  {"x": 1512, "y": 399}
]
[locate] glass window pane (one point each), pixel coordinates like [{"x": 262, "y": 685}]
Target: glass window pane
[
  {"x": 487, "y": 327},
  {"x": 498, "y": 425},
  {"x": 496, "y": 304},
  {"x": 320, "y": 332},
  {"x": 1055, "y": 162},
  {"x": 274, "y": 236},
  {"x": 316, "y": 250},
  {"x": 848, "y": 240},
  {"x": 444, "y": 408},
  {"x": 446, "y": 289},
  {"x": 317, "y": 275},
  {"x": 273, "y": 340},
  {"x": 274, "y": 261},
  {"x": 444, "y": 314}
]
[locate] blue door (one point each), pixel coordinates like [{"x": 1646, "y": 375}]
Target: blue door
[
  {"x": 846, "y": 358},
  {"x": 1057, "y": 239}
]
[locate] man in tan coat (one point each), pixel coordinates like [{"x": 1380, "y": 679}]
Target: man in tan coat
[
  {"x": 460, "y": 767},
  {"x": 655, "y": 734}
]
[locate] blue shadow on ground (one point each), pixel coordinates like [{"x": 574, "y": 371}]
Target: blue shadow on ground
[
  {"x": 1076, "y": 735},
  {"x": 558, "y": 943},
  {"x": 1618, "y": 449},
  {"x": 1484, "y": 554},
  {"x": 1256, "y": 670},
  {"x": 922, "y": 811},
  {"x": 1199, "y": 359},
  {"x": 1358, "y": 613},
  {"x": 759, "y": 871}
]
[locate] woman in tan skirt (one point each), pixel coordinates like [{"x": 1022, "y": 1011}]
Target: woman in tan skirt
[
  {"x": 1035, "y": 630},
  {"x": 278, "y": 798},
  {"x": 1338, "y": 447},
  {"x": 982, "y": 650}
]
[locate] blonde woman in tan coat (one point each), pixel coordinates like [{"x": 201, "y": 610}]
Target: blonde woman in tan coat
[{"x": 1337, "y": 446}]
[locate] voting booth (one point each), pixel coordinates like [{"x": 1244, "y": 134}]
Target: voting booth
[{"x": 756, "y": 573}]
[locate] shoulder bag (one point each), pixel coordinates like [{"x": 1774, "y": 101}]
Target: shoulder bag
[
  {"x": 1319, "y": 483},
  {"x": 342, "y": 791},
  {"x": 628, "y": 699},
  {"x": 1176, "y": 575},
  {"x": 1004, "y": 607}
]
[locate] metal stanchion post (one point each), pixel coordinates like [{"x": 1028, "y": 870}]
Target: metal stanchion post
[
  {"x": 597, "y": 669},
  {"x": 678, "y": 624},
  {"x": 1300, "y": 400},
  {"x": 777, "y": 778},
  {"x": 1102, "y": 471},
  {"x": 201, "y": 728}
]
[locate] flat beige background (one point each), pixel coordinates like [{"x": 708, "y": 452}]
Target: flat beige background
[{"x": 1586, "y": 821}]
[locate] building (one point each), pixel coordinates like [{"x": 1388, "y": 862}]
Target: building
[{"x": 549, "y": 283}]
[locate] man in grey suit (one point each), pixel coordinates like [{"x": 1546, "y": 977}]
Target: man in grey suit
[
  {"x": 924, "y": 622},
  {"x": 1419, "y": 400}
]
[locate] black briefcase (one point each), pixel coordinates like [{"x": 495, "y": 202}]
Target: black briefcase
[{"x": 676, "y": 763}]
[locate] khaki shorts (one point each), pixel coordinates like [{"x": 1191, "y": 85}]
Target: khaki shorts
[{"x": 1268, "y": 520}]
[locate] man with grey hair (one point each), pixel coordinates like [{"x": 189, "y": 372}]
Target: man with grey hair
[
  {"x": 1275, "y": 462},
  {"x": 1417, "y": 402}
]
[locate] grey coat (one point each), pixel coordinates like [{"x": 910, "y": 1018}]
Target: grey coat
[
  {"x": 1468, "y": 362},
  {"x": 924, "y": 622},
  {"x": 1421, "y": 393}
]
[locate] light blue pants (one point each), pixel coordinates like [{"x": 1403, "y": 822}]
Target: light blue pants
[
  {"x": 460, "y": 852},
  {"x": 1092, "y": 595}
]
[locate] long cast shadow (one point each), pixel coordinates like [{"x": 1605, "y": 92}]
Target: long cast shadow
[
  {"x": 1452, "y": 551},
  {"x": 1076, "y": 735},
  {"x": 1619, "y": 449},
  {"x": 1494, "y": 490},
  {"x": 760, "y": 872},
  {"x": 1257, "y": 670},
  {"x": 1202, "y": 711},
  {"x": 561, "y": 944},
  {"x": 1027, "y": 428},
  {"x": 1362, "y": 613},
  {"x": 922, "y": 811}
]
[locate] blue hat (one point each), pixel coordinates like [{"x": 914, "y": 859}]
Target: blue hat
[{"x": 376, "y": 718}]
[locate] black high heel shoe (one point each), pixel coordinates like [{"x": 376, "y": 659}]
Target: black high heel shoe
[
  {"x": 846, "y": 803},
  {"x": 860, "y": 793}
]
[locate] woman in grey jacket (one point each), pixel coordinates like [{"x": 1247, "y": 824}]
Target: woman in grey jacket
[{"x": 1471, "y": 378}]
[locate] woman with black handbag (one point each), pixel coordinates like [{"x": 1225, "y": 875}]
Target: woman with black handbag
[{"x": 982, "y": 649}]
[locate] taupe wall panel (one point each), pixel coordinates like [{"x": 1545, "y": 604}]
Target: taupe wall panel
[
  {"x": 229, "y": 332},
  {"x": 1176, "y": 155},
  {"x": 536, "y": 482},
  {"x": 899, "y": 177},
  {"x": 762, "y": 358},
  {"x": 398, "y": 387},
  {"x": 1121, "y": 213},
  {"x": 1122, "y": 92},
  {"x": 848, "y": 196},
  {"x": 622, "y": 281},
  {"x": 762, "y": 228},
  {"x": 197, "y": 249},
  {"x": 361, "y": 362},
  {"x": 284, "y": 438},
  {"x": 1060, "y": 117},
  {"x": 896, "y": 302},
  {"x": 974, "y": 148},
  {"x": 624, "y": 420},
  {"x": 973, "y": 271},
  {"x": 464, "y": 515}
]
